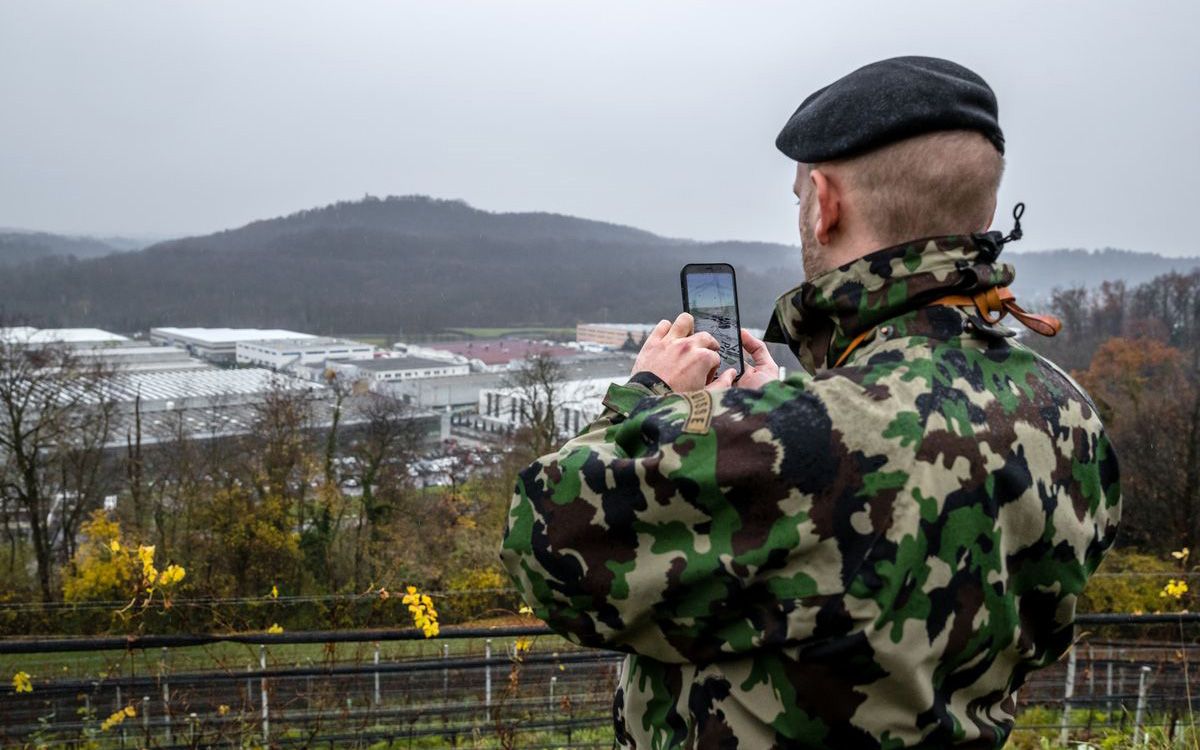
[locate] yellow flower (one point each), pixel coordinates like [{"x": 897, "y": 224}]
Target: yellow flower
[
  {"x": 222, "y": 709},
  {"x": 145, "y": 554},
  {"x": 522, "y": 646},
  {"x": 117, "y": 717},
  {"x": 21, "y": 683},
  {"x": 420, "y": 606},
  {"x": 1181, "y": 555},
  {"x": 274, "y": 592},
  {"x": 275, "y": 629},
  {"x": 172, "y": 575},
  {"x": 114, "y": 545},
  {"x": 525, "y": 610},
  {"x": 1174, "y": 589}
]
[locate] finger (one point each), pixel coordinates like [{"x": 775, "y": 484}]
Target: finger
[
  {"x": 682, "y": 327},
  {"x": 724, "y": 380},
  {"x": 658, "y": 331},
  {"x": 709, "y": 357},
  {"x": 757, "y": 350},
  {"x": 706, "y": 341}
]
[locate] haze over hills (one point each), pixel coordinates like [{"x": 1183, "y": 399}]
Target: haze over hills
[
  {"x": 416, "y": 264},
  {"x": 18, "y": 246}
]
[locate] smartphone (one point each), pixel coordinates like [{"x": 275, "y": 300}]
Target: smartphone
[{"x": 710, "y": 295}]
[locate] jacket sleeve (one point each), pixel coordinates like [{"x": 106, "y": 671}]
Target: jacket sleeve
[{"x": 688, "y": 527}]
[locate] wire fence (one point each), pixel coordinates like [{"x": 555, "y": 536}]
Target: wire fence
[{"x": 483, "y": 687}]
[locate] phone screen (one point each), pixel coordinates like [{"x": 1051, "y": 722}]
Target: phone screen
[{"x": 710, "y": 295}]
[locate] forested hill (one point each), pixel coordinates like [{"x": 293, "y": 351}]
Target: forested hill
[
  {"x": 416, "y": 264},
  {"x": 395, "y": 264},
  {"x": 1039, "y": 273}
]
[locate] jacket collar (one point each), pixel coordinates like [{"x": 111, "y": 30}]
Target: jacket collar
[{"x": 819, "y": 318}]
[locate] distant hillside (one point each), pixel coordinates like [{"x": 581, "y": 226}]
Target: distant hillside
[
  {"x": 22, "y": 247},
  {"x": 395, "y": 264},
  {"x": 1038, "y": 273},
  {"x": 415, "y": 264}
]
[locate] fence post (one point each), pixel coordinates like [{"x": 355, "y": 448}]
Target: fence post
[
  {"x": 1141, "y": 705},
  {"x": 445, "y": 673},
  {"x": 376, "y": 696},
  {"x": 192, "y": 721},
  {"x": 119, "y": 707},
  {"x": 266, "y": 713},
  {"x": 146, "y": 717},
  {"x": 487, "y": 678},
  {"x": 1108, "y": 688},
  {"x": 1091, "y": 672},
  {"x": 166, "y": 694},
  {"x": 1068, "y": 693},
  {"x": 553, "y": 708}
]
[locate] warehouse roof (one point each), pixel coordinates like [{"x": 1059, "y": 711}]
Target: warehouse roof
[
  {"x": 385, "y": 364},
  {"x": 28, "y": 335},
  {"x": 312, "y": 342},
  {"x": 232, "y": 335},
  {"x": 501, "y": 351}
]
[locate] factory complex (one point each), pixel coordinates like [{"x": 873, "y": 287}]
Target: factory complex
[{"x": 211, "y": 379}]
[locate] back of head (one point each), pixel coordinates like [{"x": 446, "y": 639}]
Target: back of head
[{"x": 938, "y": 183}]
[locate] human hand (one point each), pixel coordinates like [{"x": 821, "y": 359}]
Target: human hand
[
  {"x": 684, "y": 360},
  {"x": 763, "y": 371}
]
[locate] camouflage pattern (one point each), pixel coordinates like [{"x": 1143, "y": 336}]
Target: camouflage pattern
[{"x": 869, "y": 556}]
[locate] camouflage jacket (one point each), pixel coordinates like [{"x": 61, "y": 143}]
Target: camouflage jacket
[{"x": 874, "y": 555}]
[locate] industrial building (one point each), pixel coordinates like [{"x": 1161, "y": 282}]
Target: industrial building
[
  {"x": 613, "y": 335},
  {"x": 460, "y": 394},
  {"x": 278, "y": 354},
  {"x": 219, "y": 345},
  {"x": 70, "y": 337},
  {"x": 95, "y": 346},
  {"x": 386, "y": 369},
  {"x": 490, "y": 355},
  {"x": 218, "y": 403},
  {"x": 135, "y": 357}
]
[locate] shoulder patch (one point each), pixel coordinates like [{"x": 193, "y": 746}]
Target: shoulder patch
[{"x": 699, "y": 412}]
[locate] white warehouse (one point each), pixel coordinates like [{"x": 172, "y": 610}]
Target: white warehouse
[
  {"x": 390, "y": 369},
  {"x": 283, "y": 353},
  {"x": 220, "y": 344}
]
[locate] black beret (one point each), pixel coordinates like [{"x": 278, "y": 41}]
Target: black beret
[{"x": 888, "y": 101}]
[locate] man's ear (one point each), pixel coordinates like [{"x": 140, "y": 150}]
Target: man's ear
[{"x": 828, "y": 205}]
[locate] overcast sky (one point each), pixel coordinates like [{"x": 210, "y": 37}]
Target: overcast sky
[{"x": 153, "y": 117}]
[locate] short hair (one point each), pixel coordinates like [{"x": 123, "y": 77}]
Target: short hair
[{"x": 938, "y": 183}]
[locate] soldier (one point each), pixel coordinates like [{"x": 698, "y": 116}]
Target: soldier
[{"x": 874, "y": 552}]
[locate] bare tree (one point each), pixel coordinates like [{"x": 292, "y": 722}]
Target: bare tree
[
  {"x": 382, "y": 451},
  {"x": 539, "y": 391},
  {"x": 56, "y": 415}
]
